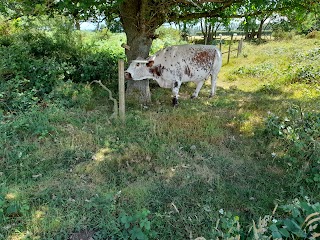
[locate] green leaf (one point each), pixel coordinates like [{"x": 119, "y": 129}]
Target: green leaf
[
  {"x": 2, "y": 203},
  {"x": 293, "y": 227},
  {"x": 273, "y": 228},
  {"x": 123, "y": 218},
  {"x": 136, "y": 233},
  {"x": 12, "y": 209},
  {"x": 146, "y": 224},
  {"x": 284, "y": 232},
  {"x": 275, "y": 231},
  {"x": 276, "y": 235},
  {"x": 307, "y": 208}
]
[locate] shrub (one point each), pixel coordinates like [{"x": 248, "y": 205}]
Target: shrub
[
  {"x": 297, "y": 220},
  {"x": 283, "y": 35},
  {"x": 298, "y": 140},
  {"x": 70, "y": 94},
  {"x": 257, "y": 70},
  {"x": 25, "y": 80},
  {"x": 103, "y": 34},
  {"x": 166, "y": 37},
  {"x": 303, "y": 68},
  {"x": 35, "y": 62},
  {"x": 313, "y": 34}
]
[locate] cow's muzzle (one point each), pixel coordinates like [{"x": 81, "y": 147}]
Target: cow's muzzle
[{"x": 127, "y": 76}]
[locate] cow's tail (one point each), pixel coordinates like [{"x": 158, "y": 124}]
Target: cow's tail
[{"x": 217, "y": 63}]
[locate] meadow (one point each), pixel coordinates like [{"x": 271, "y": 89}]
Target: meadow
[{"x": 241, "y": 165}]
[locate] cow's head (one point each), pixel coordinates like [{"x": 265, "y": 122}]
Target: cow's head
[{"x": 139, "y": 69}]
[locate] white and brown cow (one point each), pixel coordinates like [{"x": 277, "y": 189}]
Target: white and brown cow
[{"x": 177, "y": 64}]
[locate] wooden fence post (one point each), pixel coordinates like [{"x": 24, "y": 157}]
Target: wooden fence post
[
  {"x": 240, "y": 46},
  {"x": 121, "y": 90},
  {"x": 230, "y": 48}
]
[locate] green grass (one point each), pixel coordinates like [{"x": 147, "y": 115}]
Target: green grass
[{"x": 71, "y": 170}]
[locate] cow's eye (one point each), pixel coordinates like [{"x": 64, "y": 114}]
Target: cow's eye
[{"x": 138, "y": 64}]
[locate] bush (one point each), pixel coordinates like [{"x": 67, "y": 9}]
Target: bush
[
  {"x": 35, "y": 62},
  {"x": 103, "y": 34},
  {"x": 298, "y": 142},
  {"x": 313, "y": 34},
  {"x": 297, "y": 220},
  {"x": 166, "y": 37},
  {"x": 70, "y": 94},
  {"x": 303, "y": 69},
  {"x": 25, "y": 80},
  {"x": 283, "y": 35}
]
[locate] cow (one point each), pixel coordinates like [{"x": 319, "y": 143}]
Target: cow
[{"x": 177, "y": 64}]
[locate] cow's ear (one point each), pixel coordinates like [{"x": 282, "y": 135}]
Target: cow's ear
[{"x": 150, "y": 63}]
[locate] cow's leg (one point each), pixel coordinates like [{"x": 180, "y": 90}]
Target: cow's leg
[
  {"x": 175, "y": 92},
  {"x": 214, "y": 77},
  {"x": 214, "y": 74},
  {"x": 198, "y": 88}
]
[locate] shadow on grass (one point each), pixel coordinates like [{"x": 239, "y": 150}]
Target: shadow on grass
[{"x": 183, "y": 164}]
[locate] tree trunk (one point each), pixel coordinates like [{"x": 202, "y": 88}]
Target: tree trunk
[
  {"x": 139, "y": 47},
  {"x": 76, "y": 18},
  {"x": 210, "y": 34},
  {"x": 204, "y": 30},
  {"x": 139, "y": 37},
  {"x": 77, "y": 24},
  {"x": 259, "y": 34}
]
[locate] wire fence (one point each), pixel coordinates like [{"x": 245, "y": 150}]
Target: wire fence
[{"x": 238, "y": 49}]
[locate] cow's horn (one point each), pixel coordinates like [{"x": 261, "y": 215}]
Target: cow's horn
[{"x": 140, "y": 61}]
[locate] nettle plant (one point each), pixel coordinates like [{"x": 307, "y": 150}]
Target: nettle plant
[
  {"x": 297, "y": 220},
  {"x": 298, "y": 135},
  {"x": 136, "y": 226}
]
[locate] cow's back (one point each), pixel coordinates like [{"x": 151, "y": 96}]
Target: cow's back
[{"x": 186, "y": 62}]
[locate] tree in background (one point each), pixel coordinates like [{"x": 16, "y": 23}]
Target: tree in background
[
  {"x": 209, "y": 27},
  {"x": 253, "y": 26}
]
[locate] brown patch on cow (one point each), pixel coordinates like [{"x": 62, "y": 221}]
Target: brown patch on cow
[
  {"x": 187, "y": 71},
  {"x": 157, "y": 70},
  {"x": 203, "y": 58},
  {"x": 150, "y": 63}
]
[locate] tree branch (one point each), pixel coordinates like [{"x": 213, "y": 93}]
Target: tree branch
[{"x": 217, "y": 13}]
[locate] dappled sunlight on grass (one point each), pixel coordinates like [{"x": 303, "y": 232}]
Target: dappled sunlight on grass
[
  {"x": 10, "y": 196},
  {"x": 101, "y": 154}
]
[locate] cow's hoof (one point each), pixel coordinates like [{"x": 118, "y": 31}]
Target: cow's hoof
[
  {"x": 192, "y": 97},
  {"x": 211, "y": 95},
  {"x": 174, "y": 102}
]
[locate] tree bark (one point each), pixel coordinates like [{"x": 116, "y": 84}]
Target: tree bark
[
  {"x": 259, "y": 33},
  {"x": 140, "y": 33},
  {"x": 139, "y": 47},
  {"x": 77, "y": 24}
]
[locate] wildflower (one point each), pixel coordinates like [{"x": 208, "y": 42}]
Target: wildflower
[{"x": 221, "y": 211}]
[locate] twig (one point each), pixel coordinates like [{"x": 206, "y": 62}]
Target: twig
[{"x": 115, "y": 102}]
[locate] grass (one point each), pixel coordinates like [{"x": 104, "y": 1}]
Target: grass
[{"x": 67, "y": 171}]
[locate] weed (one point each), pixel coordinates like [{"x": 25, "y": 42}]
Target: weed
[
  {"x": 137, "y": 226},
  {"x": 299, "y": 135}
]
